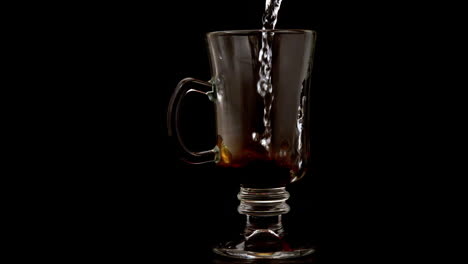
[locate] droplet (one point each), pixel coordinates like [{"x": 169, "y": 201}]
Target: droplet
[{"x": 255, "y": 136}]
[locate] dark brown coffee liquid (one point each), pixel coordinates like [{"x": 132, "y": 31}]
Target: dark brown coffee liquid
[
  {"x": 259, "y": 174},
  {"x": 263, "y": 174},
  {"x": 253, "y": 167}
]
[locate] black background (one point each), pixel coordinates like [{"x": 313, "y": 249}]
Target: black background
[{"x": 130, "y": 197}]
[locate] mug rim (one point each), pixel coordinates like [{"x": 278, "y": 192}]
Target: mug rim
[{"x": 244, "y": 32}]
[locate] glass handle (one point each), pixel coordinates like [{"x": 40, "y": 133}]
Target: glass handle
[{"x": 173, "y": 121}]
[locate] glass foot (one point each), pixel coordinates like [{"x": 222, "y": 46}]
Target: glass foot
[
  {"x": 264, "y": 236},
  {"x": 283, "y": 250}
]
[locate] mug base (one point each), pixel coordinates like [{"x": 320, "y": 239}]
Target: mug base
[{"x": 238, "y": 250}]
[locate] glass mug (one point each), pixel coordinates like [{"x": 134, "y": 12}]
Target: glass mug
[{"x": 260, "y": 87}]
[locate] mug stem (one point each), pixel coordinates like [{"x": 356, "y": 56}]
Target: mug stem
[{"x": 263, "y": 236}]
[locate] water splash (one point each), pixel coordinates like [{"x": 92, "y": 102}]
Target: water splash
[{"x": 264, "y": 85}]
